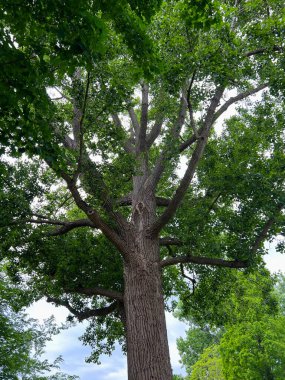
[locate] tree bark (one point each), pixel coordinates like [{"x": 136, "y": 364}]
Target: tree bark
[{"x": 147, "y": 345}]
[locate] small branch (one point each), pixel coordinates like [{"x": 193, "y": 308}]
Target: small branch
[
  {"x": 81, "y": 115},
  {"x": 166, "y": 241},
  {"x": 264, "y": 232},
  {"x": 37, "y": 221},
  {"x": 70, "y": 226},
  {"x": 87, "y": 313},
  {"x": 190, "y": 108},
  {"x": 63, "y": 95},
  {"x": 203, "y": 261},
  {"x": 237, "y": 98},
  {"x": 192, "y": 280}
]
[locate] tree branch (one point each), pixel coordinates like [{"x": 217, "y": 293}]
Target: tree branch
[
  {"x": 263, "y": 50},
  {"x": 128, "y": 146},
  {"x": 175, "y": 132},
  {"x": 70, "y": 226},
  {"x": 95, "y": 218},
  {"x": 97, "y": 291},
  {"x": 237, "y": 98},
  {"x": 190, "y": 108},
  {"x": 141, "y": 143},
  {"x": 203, "y": 261},
  {"x": 87, "y": 313},
  {"x": 193, "y": 163},
  {"x": 155, "y": 131},
  {"x": 166, "y": 241},
  {"x": 263, "y": 233},
  {"x": 134, "y": 121}
]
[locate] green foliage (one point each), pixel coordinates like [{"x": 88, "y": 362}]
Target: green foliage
[
  {"x": 249, "y": 341},
  {"x": 22, "y": 340},
  {"x": 254, "y": 350}
]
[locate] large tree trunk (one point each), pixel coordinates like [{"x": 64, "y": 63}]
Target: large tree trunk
[{"x": 147, "y": 345}]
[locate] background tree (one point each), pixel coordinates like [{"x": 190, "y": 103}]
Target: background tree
[
  {"x": 97, "y": 217},
  {"x": 249, "y": 342},
  {"x": 23, "y": 340}
]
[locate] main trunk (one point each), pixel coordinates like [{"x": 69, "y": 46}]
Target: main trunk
[{"x": 147, "y": 346}]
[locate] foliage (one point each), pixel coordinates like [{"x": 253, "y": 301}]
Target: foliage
[
  {"x": 250, "y": 344},
  {"x": 23, "y": 340}
]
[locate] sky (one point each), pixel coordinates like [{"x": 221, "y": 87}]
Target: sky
[{"x": 114, "y": 367}]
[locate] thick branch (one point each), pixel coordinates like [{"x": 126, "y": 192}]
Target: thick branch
[
  {"x": 134, "y": 120},
  {"x": 203, "y": 261},
  {"x": 95, "y": 218},
  {"x": 193, "y": 163},
  {"x": 97, "y": 291},
  {"x": 263, "y": 50},
  {"x": 237, "y": 98},
  {"x": 155, "y": 131},
  {"x": 87, "y": 313},
  {"x": 128, "y": 146},
  {"x": 144, "y": 118}
]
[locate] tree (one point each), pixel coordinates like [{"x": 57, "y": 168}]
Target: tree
[
  {"x": 250, "y": 341},
  {"x": 98, "y": 218},
  {"x": 22, "y": 339}
]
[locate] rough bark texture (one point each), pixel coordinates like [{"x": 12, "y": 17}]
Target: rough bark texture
[
  {"x": 147, "y": 346},
  {"x": 148, "y": 353}
]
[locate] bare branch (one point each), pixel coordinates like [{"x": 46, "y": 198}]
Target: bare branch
[
  {"x": 87, "y": 313},
  {"x": 203, "y": 261},
  {"x": 193, "y": 163},
  {"x": 237, "y": 98}
]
